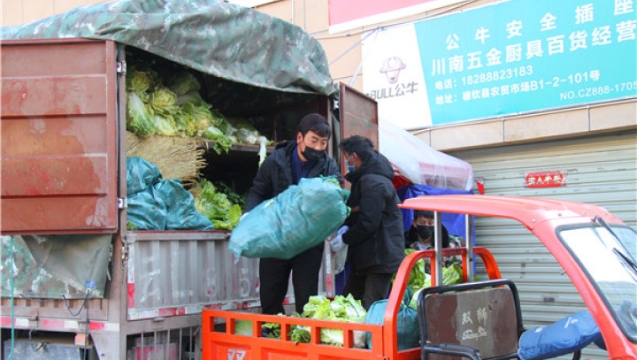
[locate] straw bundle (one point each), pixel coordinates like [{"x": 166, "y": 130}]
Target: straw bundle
[{"x": 176, "y": 157}]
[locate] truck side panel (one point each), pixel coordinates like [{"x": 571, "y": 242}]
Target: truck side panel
[
  {"x": 182, "y": 272},
  {"x": 59, "y": 137}
]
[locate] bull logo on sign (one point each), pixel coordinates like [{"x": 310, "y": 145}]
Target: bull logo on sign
[{"x": 391, "y": 68}]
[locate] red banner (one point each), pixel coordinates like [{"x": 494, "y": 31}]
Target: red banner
[{"x": 545, "y": 179}]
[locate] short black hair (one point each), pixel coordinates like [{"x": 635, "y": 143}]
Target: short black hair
[
  {"x": 316, "y": 123},
  {"x": 362, "y": 146},
  {"x": 423, "y": 213}
]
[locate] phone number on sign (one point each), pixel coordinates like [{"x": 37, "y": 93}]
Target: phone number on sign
[{"x": 497, "y": 75}]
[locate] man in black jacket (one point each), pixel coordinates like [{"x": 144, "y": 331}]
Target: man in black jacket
[
  {"x": 291, "y": 161},
  {"x": 374, "y": 232}
]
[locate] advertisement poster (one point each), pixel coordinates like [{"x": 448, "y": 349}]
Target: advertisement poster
[
  {"x": 394, "y": 77},
  {"x": 516, "y": 57}
]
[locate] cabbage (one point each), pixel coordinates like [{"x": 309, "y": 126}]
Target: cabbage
[
  {"x": 183, "y": 82},
  {"x": 165, "y": 125},
  {"x": 163, "y": 101},
  {"x": 222, "y": 143},
  {"x": 139, "y": 121},
  {"x": 342, "y": 308},
  {"x": 191, "y": 97},
  {"x": 243, "y": 131},
  {"x": 262, "y": 149},
  {"x": 243, "y": 327},
  {"x": 197, "y": 117},
  {"x": 450, "y": 275},
  {"x": 216, "y": 206},
  {"x": 138, "y": 81}
]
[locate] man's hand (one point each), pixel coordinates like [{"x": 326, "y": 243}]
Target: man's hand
[{"x": 336, "y": 244}]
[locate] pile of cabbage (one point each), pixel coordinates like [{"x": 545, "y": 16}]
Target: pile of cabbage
[
  {"x": 341, "y": 309},
  {"x": 167, "y": 102},
  {"x": 419, "y": 279},
  {"x": 220, "y": 204}
]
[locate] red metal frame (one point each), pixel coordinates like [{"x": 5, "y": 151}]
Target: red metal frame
[
  {"x": 542, "y": 217},
  {"x": 219, "y": 344}
]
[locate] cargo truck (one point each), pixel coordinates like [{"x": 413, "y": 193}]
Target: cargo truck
[{"x": 76, "y": 283}]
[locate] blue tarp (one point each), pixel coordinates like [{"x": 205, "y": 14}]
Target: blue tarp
[{"x": 454, "y": 223}]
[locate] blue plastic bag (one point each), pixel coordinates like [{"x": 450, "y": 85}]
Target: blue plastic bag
[
  {"x": 146, "y": 210},
  {"x": 407, "y": 325},
  {"x": 156, "y": 204},
  {"x": 140, "y": 174},
  {"x": 297, "y": 219},
  {"x": 181, "y": 212}
]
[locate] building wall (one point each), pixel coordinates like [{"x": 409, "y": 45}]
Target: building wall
[
  {"x": 345, "y": 56},
  {"x": 18, "y": 12}
]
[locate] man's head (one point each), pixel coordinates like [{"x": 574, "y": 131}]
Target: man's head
[
  {"x": 425, "y": 226},
  {"x": 424, "y": 217},
  {"x": 356, "y": 149},
  {"x": 312, "y": 136},
  {"x": 424, "y": 223}
]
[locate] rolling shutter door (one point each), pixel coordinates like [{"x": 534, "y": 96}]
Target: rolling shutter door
[{"x": 601, "y": 170}]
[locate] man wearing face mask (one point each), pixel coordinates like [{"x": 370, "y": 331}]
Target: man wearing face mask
[
  {"x": 420, "y": 236},
  {"x": 374, "y": 229},
  {"x": 292, "y": 160}
]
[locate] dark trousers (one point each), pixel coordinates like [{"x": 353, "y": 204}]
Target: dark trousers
[
  {"x": 274, "y": 275},
  {"x": 368, "y": 288}
]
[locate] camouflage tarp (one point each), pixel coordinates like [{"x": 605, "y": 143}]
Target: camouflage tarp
[
  {"x": 224, "y": 40},
  {"x": 73, "y": 266}
]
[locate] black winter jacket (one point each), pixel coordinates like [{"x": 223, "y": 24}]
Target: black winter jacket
[
  {"x": 275, "y": 174},
  {"x": 375, "y": 236}
]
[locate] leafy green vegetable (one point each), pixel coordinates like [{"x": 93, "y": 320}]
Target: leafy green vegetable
[
  {"x": 163, "y": 101},
  {"x": 139, "y": 81},
  {"x": 139, "y": 120},
  {"x": 262, "y": 149},
  {"x": 243, "y": 131},
  {"x": 243, "y": 327},
  {"x": 232, "y": 196},
  {"x": 216, "y": 206},
  {"x": 273, "y": 330},
  {"x": 167, "y": 101},
  {"x": 192, "y": 97},
  {"x": 222, "y": 143},
  {"x": 165, "y": 125},
  {"x": 450, "y": 275},
  {"x": 183, "y": 82},
  {"x": 342, "y": 308},
  {"x": 417, "y": 276}
]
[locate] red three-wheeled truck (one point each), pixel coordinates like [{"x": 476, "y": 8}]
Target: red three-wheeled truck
[{"x": 478, "y": 319}]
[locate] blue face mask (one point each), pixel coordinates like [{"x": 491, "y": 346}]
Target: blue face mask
[{"x": 350, "y": 168}]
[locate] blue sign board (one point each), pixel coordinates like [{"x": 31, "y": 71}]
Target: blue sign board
[{"x": 522, "y": 56}]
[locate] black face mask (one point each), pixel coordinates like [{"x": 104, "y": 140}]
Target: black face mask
[
  {"x": 311, "y": 154},
  {"x": 425, "y": 231}
]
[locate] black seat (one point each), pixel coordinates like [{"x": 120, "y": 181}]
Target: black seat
[{"x": 480, "y": 320}]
